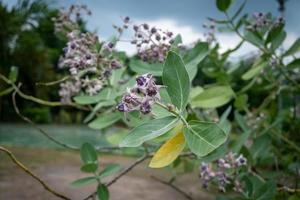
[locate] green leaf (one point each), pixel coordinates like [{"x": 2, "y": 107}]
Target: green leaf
[
  {"x": 6, "y": 91},
  {"x": 278, "y": 41},
  {"x": 293, "y": 49},
  {"x": 84, "y": 181},
  {"x": 177, "y": 40},
  {"x": 266, "y": 191},
  {"x": 100, "y": 105},
  {"x": 256, "y": 69},
  {"x": 109, "y": 170},
  {"x": 105, "y": 120},
  {"x": 194, "y": 56},
  {"x": 105, "y": 94},
  {"x": 176, "y": 78},
  {"x": 102, "y": 192},
  {"x": 141, "y": 67},
  {"x": 223, "y": 5},
  {"x": 254, "y": 38},
  {"x": 241, "y": 101},
  {"x": 116, "y": 76},
  {"x": 239, "y": 10},
  {"x": 213, "y": 97},
  {"x": 273, "y": 33},
  {"x": 204, "y": 137},
  {"x": 294, "y": 64},
  {"x": 148, "y": 131},
  {"x": 90, "y": 167},
  {"x": 13, "y": 74},
  {"x": 195, "y": 91},
  {"x": 88, "y": 153}
]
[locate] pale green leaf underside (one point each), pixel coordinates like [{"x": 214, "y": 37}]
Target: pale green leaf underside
[
  {"x": 105, "y": 120},
  {"x": 148, "y": 131},
  {"x": 213, "y": 97}
]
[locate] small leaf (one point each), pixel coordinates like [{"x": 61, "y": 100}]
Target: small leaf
[
  {"x": 256, "y": 69},
  {"x": 239, "y": 10},
  {"x": 88, "y": 153},
  {"x": 116, "y": 76},
  {"x": 223, "y": 5},
  {"x": 109, "y": 170},
  {"x": 213, "y": 97},
  {"x": 90, "y": 167},
  {"x": 293, "y": 49},
  {"x": 84, "y": 181},
  {"x": 148, "y": 131},
  {"x": 294, "y": 64},
  {"x": 203, "y": 137},
  {"x": 176, "y": 78},
  {"x": 254, "y": 38},
  {"x": 13, "y": 74},
  {"x": 100, "y": 105},
  {"x": 168, "y": 152},
  {"x": 265, "y": 192},
  {"x": 102, "y": 192},
  {"x": 105, "y": 94},
  {"x": 105, "y": 120},
  {"x": 194, "y": 56},
  {"x": 141, "y": 67}
]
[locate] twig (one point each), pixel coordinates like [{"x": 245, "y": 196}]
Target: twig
[
  {"x": 133, "y": 165},
  {"x": 25, "y": 169},
  {"x": 37, "y": 100},
  {"x": 54, "y": 82},
  {"x": 67, "y": 146},
  {"x": 186, "y": 195},
  {"x": 124, "y": 172}
]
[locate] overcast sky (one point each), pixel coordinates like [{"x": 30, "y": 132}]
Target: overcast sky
[{"x": 180, "y": 16}]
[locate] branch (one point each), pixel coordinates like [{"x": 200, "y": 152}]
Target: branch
[
  {"x": 124, "y": 172},
  {"x": 37, "y": 100},
  {"x": 67, "y": 146},
  {"x": 186, "y": 195},
  {"x": 54, "y": 82},
  {"x": 25, "y": 169},
  {"x": 137, "y": 162}
]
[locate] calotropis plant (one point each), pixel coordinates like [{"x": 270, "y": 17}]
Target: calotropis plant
[{"x": 237, "y": 120}]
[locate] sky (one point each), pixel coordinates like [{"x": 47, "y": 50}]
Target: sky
[{"x": 179, "y": 16}]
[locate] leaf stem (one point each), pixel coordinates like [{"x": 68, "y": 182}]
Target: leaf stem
[{"x": 173, "y": 112}]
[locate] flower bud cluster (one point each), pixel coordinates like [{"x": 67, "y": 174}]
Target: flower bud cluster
[
  {"x": 221, "y": 172},
  {"x": 254, "y": 120},
  {"x": 261, "y": 20},
  {"x": 152, "y": 43},
  {"x": 210, "y": 29},
  {"x": 142, "y": 96},
  {"x": 67, "y": 19},
  {"x": 89, "y": 65}
]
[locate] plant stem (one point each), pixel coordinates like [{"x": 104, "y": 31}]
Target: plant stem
[{"x": 173, "y": 112}]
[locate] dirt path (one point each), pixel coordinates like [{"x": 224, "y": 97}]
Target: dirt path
[{"x": 59, "y": 168}]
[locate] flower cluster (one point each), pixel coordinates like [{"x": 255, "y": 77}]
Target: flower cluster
[
  {"x": 210, "y": 28},
  {"x": 261, "y": 20},
  {"x": 89, "y": 62},
  {"x": 152, "y": 43},
  {"x": 141, "y": 97},
  {"x": 66, "y": 19},
  {"x": 221, "y": 173}
]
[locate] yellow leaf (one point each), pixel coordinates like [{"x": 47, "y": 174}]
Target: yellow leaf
[{"x": 168, "y": 152}]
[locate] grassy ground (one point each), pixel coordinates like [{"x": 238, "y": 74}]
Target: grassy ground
[{"x": 60, "y": 167}]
